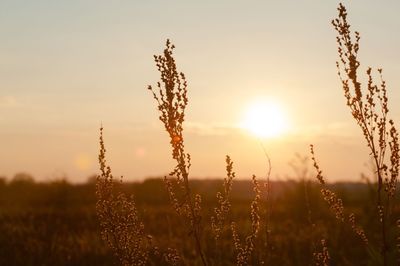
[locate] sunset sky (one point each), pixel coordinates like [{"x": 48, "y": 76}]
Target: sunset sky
[{"x": 68, "y": 66}]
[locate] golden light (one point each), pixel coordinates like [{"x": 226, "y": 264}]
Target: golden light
[
  {"x": 83, "y": 162},
  {"x": 265, "y": 119}
]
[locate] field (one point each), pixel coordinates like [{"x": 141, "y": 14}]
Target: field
[
  {"x": 178, "y": 219},
  {"x": 56, "y": 224}
]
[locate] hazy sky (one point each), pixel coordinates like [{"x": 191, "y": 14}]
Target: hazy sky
[{"x": 68, "y": 66}]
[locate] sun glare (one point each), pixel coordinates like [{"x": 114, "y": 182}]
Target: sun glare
[{"x": 265, "y": 120}]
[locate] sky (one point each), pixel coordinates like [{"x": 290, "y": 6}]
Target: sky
[{"x": 66, "y": 67}]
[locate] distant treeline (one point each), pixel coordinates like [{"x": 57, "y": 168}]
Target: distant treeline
[{"x": 23, "y": 189}]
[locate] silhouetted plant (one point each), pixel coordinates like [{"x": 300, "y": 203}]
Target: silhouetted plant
[
  {"x": 336, "y": 204},
  {"x": 245, "y": 250},
  {"x": 121, "y": 227},
  {"x": 369, "y": 107},
  {"x": 171, "y": 97},
  {"x": 322, "y": 257},
  {"x": 218, "y": 221}
]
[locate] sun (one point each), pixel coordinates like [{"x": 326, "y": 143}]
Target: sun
[{"x": 265, "y": 119}]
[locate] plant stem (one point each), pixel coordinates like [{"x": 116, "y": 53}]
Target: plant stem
[{"x": 195, "y": 225}]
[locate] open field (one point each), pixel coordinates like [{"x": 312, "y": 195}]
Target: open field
[
  {"x": 47, "y": 122},
  {"x": 56, "y": 224}
]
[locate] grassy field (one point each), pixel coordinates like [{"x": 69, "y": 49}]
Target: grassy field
[
  {"x": 179, "y": 220},
  {"x": 56, "y": 223}
]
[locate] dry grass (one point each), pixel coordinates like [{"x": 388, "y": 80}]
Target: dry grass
[
  {"x": 121, "y": 227},
  {"x": 244, "y": 250},
  {"x": 218, "y": 221},
  {"x": 171, "y": 98},
  {"x": 322, "y": 257}
]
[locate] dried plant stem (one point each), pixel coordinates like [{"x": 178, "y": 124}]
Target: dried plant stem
[
  {"x": 171, "y": 97},
  {"x": 322, "y": 258},
  {"x": 300, "y": 167},
  {"x": 194, "y": 216},
  {"x": 336, "y": 204},
  {"x": 245, "y": 250},
  {"x": 120, "y": 224},
  {"x": 370, "y": 109},
  {"x": 267, "y": 199},
  {"x": 223, "y": 209},
  {"x": 218, "y": 221}
]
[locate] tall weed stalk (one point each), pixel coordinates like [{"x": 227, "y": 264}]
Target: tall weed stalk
[
  {"x": 369, "y": 108},
  {"x": 171, "y": 97}
]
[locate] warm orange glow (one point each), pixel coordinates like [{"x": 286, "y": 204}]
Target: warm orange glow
[
  {"x": 265, "y": 119},
  {"x": 83, "y": 162}
]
